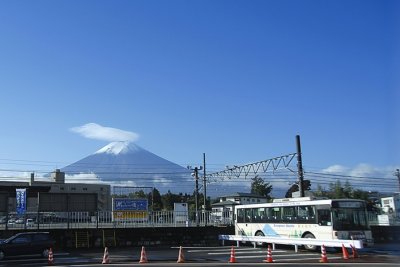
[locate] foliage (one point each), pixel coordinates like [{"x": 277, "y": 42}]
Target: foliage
[
  {"x": 337, "y": 190},
  {"x": 320, "y": 191},
  {"x": 156, "y": 200},
  {"x": 260, "y": 187},
  {"x": 169, "y": 199}
]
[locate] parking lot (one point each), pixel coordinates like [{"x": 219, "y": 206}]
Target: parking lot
[{"x": 210, "y": 256}]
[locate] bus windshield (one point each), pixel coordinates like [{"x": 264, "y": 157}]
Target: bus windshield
[{"x": 349, "y": 216}]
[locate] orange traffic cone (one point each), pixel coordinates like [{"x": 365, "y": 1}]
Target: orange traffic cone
[
  {"x": 355, "y": 253},
  {"x": 143, "y": 257},
  {"x": 269, "y": 255},
  {"x": 50, "y": 260},
  {"x": 232, "y": 259},
  {"x": 324, "y": 258},
  {"x": 181, "y": 258},
  {"x": 106, "y": 260},
  {"x": 345, "y": 253}
]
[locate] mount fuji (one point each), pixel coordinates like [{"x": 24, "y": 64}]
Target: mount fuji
[{"x": 127, "y": 164}]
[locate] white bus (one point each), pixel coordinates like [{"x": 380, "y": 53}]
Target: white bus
[{"x": 305, "y": 218}]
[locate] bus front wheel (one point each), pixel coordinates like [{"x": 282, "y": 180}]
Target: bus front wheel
[
  {"x": 259, "y": 233},
  {"x": 310, "y": 247}
]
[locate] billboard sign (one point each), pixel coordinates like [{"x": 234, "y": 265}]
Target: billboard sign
[
  {"x": 127, "y": 209},
  {"x": 129, "y": 215},
  {"x": 20, "y": 196},
  {"x": 128, "y": 204}
]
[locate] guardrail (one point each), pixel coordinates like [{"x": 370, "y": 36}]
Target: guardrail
[
  {"x": 110, "y": 219},
  {"x": 291, "y": 241}
]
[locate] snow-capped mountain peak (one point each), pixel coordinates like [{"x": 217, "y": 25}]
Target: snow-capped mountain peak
[
  {"x": 127, "y": 164},
  {"x": 116, "y": 148}
]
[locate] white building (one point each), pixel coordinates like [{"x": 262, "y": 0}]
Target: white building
[
  {"x": 56, "y": 195},
  {"x": 390, "y": 210},
  {"x": 391, "y": 205}
]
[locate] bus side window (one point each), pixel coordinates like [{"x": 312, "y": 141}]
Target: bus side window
[
  {"x": 248, "y": 217},
  {"x": 262, "y": 215},
  {"x": 268, "y": 215},
  {"x": 259, "y": 215},
  {"x": 240, "y": 215},
  {"x": 311, "y": 214},
  {"x": 255, "y": 216},
  {"x": 289, "y": 214},
  {"x": 302, "y": 213},
  {"x": 276, "y": 214},
  {"x": 306, "y": 214}
]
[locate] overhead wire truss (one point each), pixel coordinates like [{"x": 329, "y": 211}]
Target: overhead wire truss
[{"x": 255, "y": 168}]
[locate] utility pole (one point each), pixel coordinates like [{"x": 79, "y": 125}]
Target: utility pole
[
  {"x": 397, "y": 174},
  {"x": 204, "y": 189},
  {"x": 204, "y": 182},
  {"x": 196, "y": 194},
  {"x": 299, "y": 166}
]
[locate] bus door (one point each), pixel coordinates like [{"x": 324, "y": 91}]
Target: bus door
[{"x": 324, "y": 221}]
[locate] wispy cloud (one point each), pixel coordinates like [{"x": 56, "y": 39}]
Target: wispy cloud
[
  {"x": 99, "y": 132},
  {"x": 361, "y": 169},
  {"x": 86, "y": 178}
]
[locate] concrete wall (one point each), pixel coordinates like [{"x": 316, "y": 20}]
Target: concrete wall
[
  {"x": 179, "y": 236},
  {"x": 3, "y": 202},
  {"x": 386, "y": 234}
]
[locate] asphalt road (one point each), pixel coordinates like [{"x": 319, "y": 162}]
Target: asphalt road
[{"x": 383, "y": 255}]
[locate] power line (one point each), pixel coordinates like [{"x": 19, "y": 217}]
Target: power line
[
  {"x": 397, "y": 174},
  {"x": 254, "y": 168},
  {"x": 342, "y": 175},
  {"x": 232, "y": 176}
]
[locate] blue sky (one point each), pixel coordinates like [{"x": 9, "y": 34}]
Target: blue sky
[{"x": 237, "y": 80}]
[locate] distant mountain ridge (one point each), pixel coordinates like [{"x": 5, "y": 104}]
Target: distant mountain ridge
[{"x": 128, "y": 163}]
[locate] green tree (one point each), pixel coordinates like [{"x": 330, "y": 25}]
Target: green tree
[
  {"x": 347, "y": 189},
  {"x": 156, "y": 198},
  {"x": 336, "y": 189},
  {"x": 138, "y": 195},
  {"x": 360, "y": 194},
  {"x": 169, "y": 199},
  {"x": 260, "y": 187},
  {"x": 321, "y": 192}
]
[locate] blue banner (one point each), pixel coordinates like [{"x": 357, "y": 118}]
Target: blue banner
[
  {"x": 127, "y": 204},
  {"x": 21, "y": 200}
]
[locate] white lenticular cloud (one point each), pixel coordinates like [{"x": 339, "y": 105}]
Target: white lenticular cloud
[{"x": 98, "y": 132}]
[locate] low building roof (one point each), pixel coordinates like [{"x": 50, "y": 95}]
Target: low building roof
[
  {"x": 224, "y": 203},
  {"x": 238, "y": 194}
]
